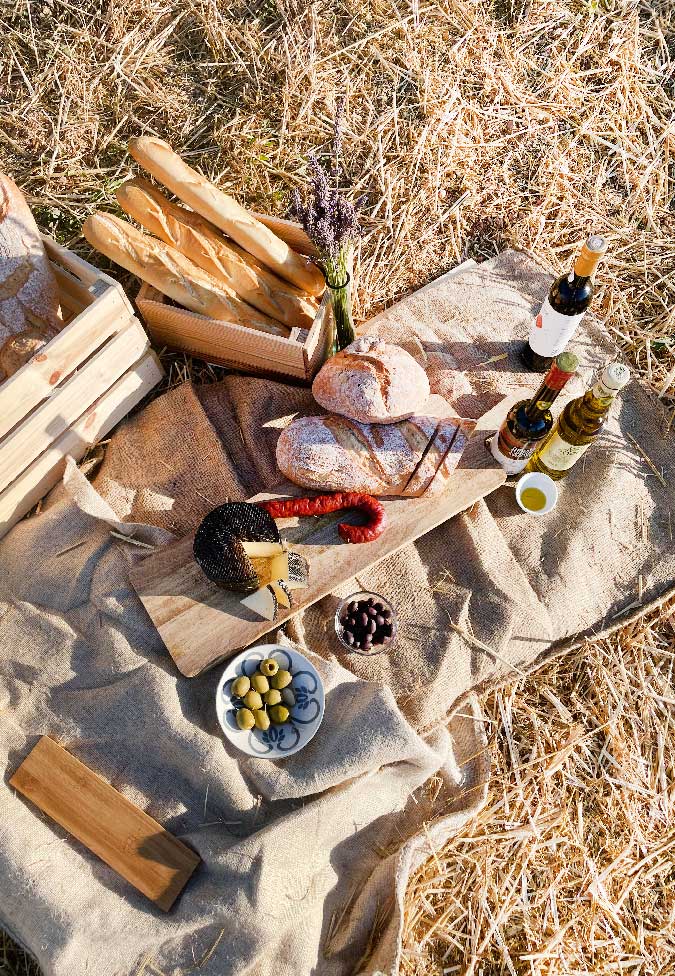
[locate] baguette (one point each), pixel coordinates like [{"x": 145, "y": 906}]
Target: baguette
[
  {"x": 172, "y": 273},
  {"x": 199, "y": 241},
  {"x": 157, "y": 157}
]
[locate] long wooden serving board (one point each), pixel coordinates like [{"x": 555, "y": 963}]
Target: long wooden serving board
[
  {"x": 126, "y": 838},
  {"x": 202, "y": 625}
]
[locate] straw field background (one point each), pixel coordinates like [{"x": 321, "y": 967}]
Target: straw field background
[{"x": 471, "y": 125}]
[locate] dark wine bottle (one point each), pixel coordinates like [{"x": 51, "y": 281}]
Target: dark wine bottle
[
  {"x": 528, "y": 422},
  {"x": 563, "y": 310}
]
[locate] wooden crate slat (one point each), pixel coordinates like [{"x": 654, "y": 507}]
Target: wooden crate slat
[
  {"x": 47, "y": 470},
  {"x": 127, "y": 839},
  {"x": 45, "y": 372},
  {"x": 49, "y": 421},
  {"x": 71, "y": 290},
  {"x": 95, "y": 280}
]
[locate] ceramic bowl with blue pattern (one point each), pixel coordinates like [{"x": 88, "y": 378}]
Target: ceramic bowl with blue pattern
[{"x": 279, "y": 740}]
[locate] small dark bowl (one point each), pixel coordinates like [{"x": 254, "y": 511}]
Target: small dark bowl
[{"x": 376, "y": 648}]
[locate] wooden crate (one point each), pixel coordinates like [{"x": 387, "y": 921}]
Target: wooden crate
[
  {"x": 75, "y": 389},
  {"x": 299, "y": 356}
]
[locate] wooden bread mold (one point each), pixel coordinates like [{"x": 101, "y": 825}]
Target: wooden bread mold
[
  {"x": 299, "y": 355},
  {"x": 75, "y": 389}
]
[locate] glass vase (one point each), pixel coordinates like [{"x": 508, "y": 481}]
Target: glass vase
[{"x": 339, "y": 283}]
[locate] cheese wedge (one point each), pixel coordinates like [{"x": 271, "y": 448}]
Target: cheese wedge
[{"x": 259, "y": 550}]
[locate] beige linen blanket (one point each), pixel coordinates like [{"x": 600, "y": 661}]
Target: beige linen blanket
[{"x": 305, "y": 861}]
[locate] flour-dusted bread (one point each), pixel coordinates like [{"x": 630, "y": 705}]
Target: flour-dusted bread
[
  {"x": 334, "y": 453},
  {"x": 373, "y": 382},
  {"x": 29, "y": 297}
]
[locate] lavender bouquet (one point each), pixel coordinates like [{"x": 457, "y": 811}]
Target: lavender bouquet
[{"x": 331, "y": 222}]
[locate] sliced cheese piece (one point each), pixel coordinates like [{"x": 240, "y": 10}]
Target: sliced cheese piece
[
  {"x": 281, "y": 593},
  {"x": 263, "y": 602},
  {"x": 279, "y": 567},
  {"x": 258, "y": 550}
]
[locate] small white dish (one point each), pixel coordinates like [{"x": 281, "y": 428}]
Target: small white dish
[
  {"x": 306, "y": 715},
  {"x": 542, "y": 483}
]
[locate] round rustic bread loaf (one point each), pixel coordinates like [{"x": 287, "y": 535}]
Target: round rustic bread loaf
[{"x": 373, "y": 382}]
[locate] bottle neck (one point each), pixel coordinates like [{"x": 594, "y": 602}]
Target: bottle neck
[{"x": 550, "y": 389}]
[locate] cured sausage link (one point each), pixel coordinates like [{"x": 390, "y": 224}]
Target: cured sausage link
[{"x": 324, "y": 504}]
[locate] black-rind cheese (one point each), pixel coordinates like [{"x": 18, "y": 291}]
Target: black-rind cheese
[{"x": 218, "y": 544}]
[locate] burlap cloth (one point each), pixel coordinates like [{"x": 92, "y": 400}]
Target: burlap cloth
[{"x": 305, "y": 861}]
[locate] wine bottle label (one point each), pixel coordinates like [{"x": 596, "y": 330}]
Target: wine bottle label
[
  {"x": 558, "y": 455},
  {"x": 512, "y": 454},
  {"x": 551, "y": 331}
]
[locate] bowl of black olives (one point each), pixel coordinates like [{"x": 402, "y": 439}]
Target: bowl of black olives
[{"x": 365, "y": 623}]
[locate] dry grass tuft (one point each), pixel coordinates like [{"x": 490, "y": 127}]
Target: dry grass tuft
[
  {"x": 570, "y": 867},
  {"x": 472, "y": 126}
]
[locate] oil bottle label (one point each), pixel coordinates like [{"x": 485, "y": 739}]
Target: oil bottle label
[
  {"x": 511, "y": 453},
  {"x": 558, "y": 455},
  {"x": 551, "y": 331}
]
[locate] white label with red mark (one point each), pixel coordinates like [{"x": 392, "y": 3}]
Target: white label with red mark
[{"x": 550, "y": 332}]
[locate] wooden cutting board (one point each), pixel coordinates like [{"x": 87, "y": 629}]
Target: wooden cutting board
[
  {"x": 202, "y": 625},
  {"x": 126, "y": 838}
]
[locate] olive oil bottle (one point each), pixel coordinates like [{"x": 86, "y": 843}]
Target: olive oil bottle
[
  {"x": 563, "y": 310},
  {"x": 529, "y": 421},
  {"x": 579, "y": 424}
]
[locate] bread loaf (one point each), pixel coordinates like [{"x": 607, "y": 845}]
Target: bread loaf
[
  {"x": 29, "y": 297},
  {"x": 172, "y": 273},
  {"x": 453, "y": 456},
  {"x": 337, "y": 454},
  {"x": 158, "y": 158},
  {"x": 373, "y": 382},
  {"x": 229, "y": 264}
]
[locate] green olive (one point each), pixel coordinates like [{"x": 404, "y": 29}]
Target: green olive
[
  {"x": 281, "y": 679},
  {"x": 240, "y": 686},
  {"x": 262, "y": 719},
  {"x": 272, "y": 697},
  {"x": 252, "y": 700},
  {"x": 279, "y": 714},
  {"x": 245, "y": 719},
  {"x": 260, "y": 683},
  {"x": 268, "y": 667}
]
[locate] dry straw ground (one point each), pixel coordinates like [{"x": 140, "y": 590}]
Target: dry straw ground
[{"x": 472, "y": 125}]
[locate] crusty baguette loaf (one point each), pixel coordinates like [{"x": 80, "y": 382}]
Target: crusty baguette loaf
[
  {"x": 29, "y": 297},
  {"x": 229, "y": 264},
  {"x": 337, "y": 454},
  {"x": 172, "y": 273},
  {"x": 372, "y": 381},
  {"x": 158, "y": 158}
]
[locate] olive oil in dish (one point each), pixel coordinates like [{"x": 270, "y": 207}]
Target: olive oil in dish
[{"x": 533, "y": 499}]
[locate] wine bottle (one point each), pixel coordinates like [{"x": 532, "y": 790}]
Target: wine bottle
[
  {"x": 528, "y": 421},
  {"x": 579, "y": 424},
  {"x": 563, "y": 309}
]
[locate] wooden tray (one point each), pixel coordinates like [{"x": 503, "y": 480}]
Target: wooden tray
[
  {"x": 202, "y": 625},
  {"x": 75, "y": 389},
  {"x": 299, "y": 356}
]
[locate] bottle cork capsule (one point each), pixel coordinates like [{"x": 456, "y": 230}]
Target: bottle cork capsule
[{"x": 591, "y": 252}]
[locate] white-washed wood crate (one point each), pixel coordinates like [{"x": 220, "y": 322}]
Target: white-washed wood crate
[
  {"x": 74, "y": 391},
  {"x": 299, "y": 356}
]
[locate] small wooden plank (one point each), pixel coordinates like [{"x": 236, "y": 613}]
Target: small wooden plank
[
  {"x": 127, "y": 839},
  {"x": 39, "y": 378},
  {"x": 41, "y": 476},
  {"x": 201, "y": 624},
  {"x": 27, "y": 441},
  {"x": 96, "y": 281}
]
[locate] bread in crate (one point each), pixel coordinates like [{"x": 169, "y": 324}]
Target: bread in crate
[
  {"x": 75, "y": 389},
  {"x": 219, "y": 282}
]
